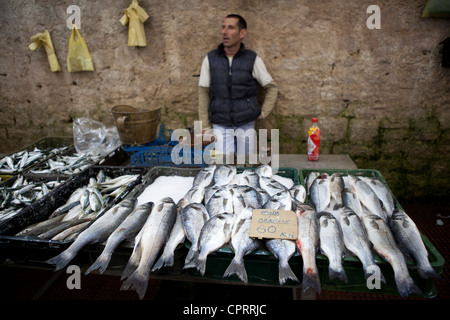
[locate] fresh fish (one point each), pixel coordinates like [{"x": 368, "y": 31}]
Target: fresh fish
[
  {"x": 221, "y": 201},
  {"x": 264, "y": 171},
  {"x": 156, "y": 231},
  {"x": 205, "y": 177},
  {"x": 366, "y": 196},
  {"x": 352, "y": 202},
  {"x": 68, "y": 233},
  {"x": 242, "y": 245},
  {"x": 271, "y": 185},
  {"x": 332, "y": 245},
  {"x": 98, "y": 231},
  {"x": 245, "y": 197},
  {"x": 49, "y": 234},
  {"x": 298, "y": 192},
  {"x": 195, "y": 194},
  {"x": 224, "y": 174},
  {"x": 265, "y": 196},
  {"x": 384, "y": 244},
  {"x": 279, "y": 201},
  {"x": 320, "y": 194},
  {"x": 40, "y": 227},
  {"x": 209, "y": 192},
  {"x": 127, "y": 229},
  {"x": 336, "y": 189},
  {"x": 411, "y": 244},
  {"x": 310, "y": 179},
  {"x": 176, "y": 237},
  {"x": 249, "y": 178},
  {"x": 383, "y": 193},
  {"x": 308, "y": 244},
  {"x": 283, "y": 250},
  {"x": 215, "y": 233},
  {"x": 193, "y": 217},
  {"x": 356, "y": 241}
]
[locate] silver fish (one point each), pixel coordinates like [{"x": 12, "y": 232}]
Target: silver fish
[
  {"x": 352, "y": 202},
  {"x": 176, "y": 237},
  {"x": 245, "y": 197},
  {"x": 215, "y": 233},
  {"x": 279, "y": 201},
  {"x": 193, "y": 217},
  {"x": 224, "y": 174},
  {"x": 332, "y": 245},
  {"x": 70, "y": 233},
  {"x": 154, "y": 236},
  {"x": 384, "y": 244},
  {"x": 308, "y": 244},
  {"x": 309, "y": 179},
  {"x": 242, "y": 245},
  {"x": 271, "y": 185},
  {"x": 411, "y": 244},
  {"x": 320, "y": 194},
  {"x": 383, "y": 193},
  {"x": 205, "y": 176},
  {"x": 195, "y": 194},
  {"x": 249, "y": 178},
  {"x": 98, "y": 231},
  {"x": 298, "y": 192},
  {"x": 336, "y": 188},
  {"x": 264, "y": 171},
  {"x": 366, "y": 196},
  {"x": 221, "y": 201},
  {"x": 356, "y": 241},
  {"x": 209, "y": 192},
  {"x": 128, "y": 228},
  {"x": 283, "y": 250}
]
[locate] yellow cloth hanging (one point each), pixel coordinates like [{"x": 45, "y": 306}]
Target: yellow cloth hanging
[
  {"x": 45, "y": 39},
  {"x": 135, "y": 16},
  {"x": 78, "y": 56}
]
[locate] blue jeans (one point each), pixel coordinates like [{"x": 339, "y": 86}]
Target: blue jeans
[{"x": 239, "y": 140}]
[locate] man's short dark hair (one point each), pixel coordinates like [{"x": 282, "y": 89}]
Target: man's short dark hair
[{"x": 241, "y": 21}]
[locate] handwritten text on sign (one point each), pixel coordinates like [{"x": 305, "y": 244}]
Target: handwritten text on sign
[{"x": 274, "y": 224}]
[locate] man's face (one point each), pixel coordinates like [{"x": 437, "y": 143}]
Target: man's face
[{"x": 231, "y": 35}]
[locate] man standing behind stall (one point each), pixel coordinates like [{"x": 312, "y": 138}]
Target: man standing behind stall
[{"x": 228, "y": 89}]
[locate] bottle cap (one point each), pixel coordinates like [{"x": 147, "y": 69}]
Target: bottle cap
[{"x": 314, "y": 120}]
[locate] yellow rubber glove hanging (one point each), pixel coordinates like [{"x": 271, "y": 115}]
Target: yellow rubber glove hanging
[
  {"x": 135, "y": 16},
  {"x": 45, "y": 39}
]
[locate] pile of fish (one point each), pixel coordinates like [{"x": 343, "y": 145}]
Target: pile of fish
[
  {"x": 83, "y": 206},
  {"x": 357, "y": 215},
  {"x": 21, "y": 160},
  {"x": 21, "y": 194},
  {"x": 68, "y": 164}
]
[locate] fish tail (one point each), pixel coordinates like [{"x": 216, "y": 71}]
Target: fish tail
[
  {"x": 201, "y": 266},
  {"x": 101, "y": 264},
  {"x": 237, "y": 267},
  {"x": 138, "y": 282},
  {"x": 285, "y": 272},
  {"x": 164, "y": 260},
  {"x": 61, "y": 260},
  {"x": 311, "y": 280},
  {"x": 428, "y": 272},
  {"x": 337, "y": 273},
  {"x": 406, "y": 286},
  {"x": 191, "y": 258}
]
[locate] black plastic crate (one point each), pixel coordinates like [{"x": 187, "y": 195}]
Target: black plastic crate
[{"x": 29, "y": 249}]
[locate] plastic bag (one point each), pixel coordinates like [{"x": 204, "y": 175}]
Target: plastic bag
[
  {"x": 135, "y": 16},
  {"x": 78, "y": 57},
  {"x": 45, "y": 39},
  {"x": 91, "y": 136}
]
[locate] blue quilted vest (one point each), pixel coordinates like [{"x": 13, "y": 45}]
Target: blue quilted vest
[{"x": 233, "y": 90}]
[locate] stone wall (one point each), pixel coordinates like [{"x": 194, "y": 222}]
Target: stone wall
[{"x": 381, "y": 95}]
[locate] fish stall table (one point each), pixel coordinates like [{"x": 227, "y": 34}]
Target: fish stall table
[{"x": 297, "y": 161}]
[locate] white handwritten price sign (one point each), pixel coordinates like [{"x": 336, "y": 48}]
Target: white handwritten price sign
[{"x": 274, "y": 224}]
